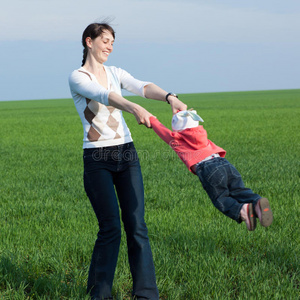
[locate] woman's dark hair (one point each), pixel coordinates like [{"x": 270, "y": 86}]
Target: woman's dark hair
[{"x": 93, "y": 31}]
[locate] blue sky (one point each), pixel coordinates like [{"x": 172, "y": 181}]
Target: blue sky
[{"x": 189, "y": 46}]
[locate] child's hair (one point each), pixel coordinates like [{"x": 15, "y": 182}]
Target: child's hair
[{"x": 93, "y": 31}]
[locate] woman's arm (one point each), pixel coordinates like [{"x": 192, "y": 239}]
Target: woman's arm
[
  {"x": 81, "y": 83},
  {"x": 142, "y": 115},
  {"x": 146, "y": 89},
  {"x": 152, "y": 91}
]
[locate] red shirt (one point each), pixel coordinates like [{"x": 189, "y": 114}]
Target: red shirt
[{"x": 191, "y": 145}]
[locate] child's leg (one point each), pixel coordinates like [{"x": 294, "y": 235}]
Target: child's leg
[
  {"x": 213, "y": 175},
  {"x": 264, "y": 212},
  {"x": 242, "y": 194},
  {"x": 248, "y": 216},
  {"x": 237, "y": 188}
]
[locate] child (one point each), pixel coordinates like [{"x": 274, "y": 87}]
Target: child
[{"x": 219, "y": 178}]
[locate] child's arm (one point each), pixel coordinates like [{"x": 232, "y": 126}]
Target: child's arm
[{"x": 163, "y": 132}]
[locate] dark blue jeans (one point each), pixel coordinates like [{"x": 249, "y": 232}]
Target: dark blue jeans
[
  {"x": 109, "y": 171},
  {"x": 225, "y": 187}
]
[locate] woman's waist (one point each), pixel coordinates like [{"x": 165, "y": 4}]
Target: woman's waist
[{"x": 108, "y": 149}]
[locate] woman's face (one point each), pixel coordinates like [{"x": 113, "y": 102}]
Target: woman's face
[{"x": 101, "y": 46}]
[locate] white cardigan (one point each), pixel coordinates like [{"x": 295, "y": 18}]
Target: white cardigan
[{"x": 103, "y": 125}]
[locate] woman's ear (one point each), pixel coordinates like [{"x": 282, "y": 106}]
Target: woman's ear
[{"x": 88, "y": 42}]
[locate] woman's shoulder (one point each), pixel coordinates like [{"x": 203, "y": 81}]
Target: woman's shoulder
[
  {"x": 115, "y": 70},
  {"x": 79, "y": 75},
  {"x": 74, "y": 72},
  {"x": 119, "y": 73},
  {"x": 80, "y": 71}
]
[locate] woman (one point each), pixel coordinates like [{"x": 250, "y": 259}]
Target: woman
[{"x": 111, "y": 163}]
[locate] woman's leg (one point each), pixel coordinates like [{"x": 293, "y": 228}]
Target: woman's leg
[
  {"x": 130, "y": 190},
  {"x": 100, "y": 190}
]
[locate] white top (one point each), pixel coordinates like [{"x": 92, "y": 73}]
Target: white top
[{"x": 103, "y": 125}]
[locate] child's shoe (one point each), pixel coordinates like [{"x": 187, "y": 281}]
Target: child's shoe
[
  {"x": 264, "y": 212},
  {"x": 247, "y": 215}
]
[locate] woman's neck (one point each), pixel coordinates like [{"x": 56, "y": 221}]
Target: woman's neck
[
  {"x": 98, "y": 70},
  {"x": 94, "y": 67}
]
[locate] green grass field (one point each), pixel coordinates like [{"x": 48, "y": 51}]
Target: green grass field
[{"x": 48, "y": 228}]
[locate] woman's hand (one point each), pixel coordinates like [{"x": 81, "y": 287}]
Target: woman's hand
[
  {"x": 142, "y": 115},
  {"x": 176, "y": 104},
  {"x": 152, "y": 91}
]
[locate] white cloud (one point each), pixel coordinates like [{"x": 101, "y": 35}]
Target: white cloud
[{"x": 151, "y": 21}]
